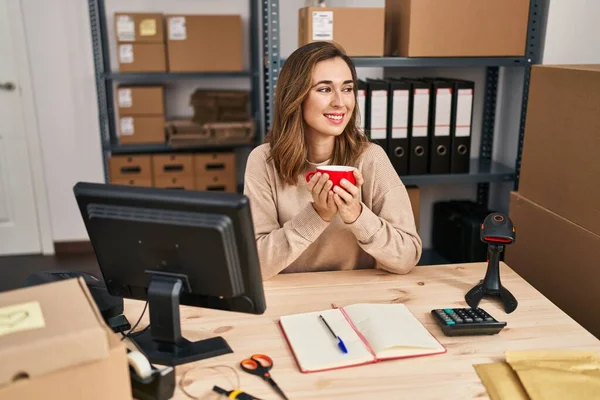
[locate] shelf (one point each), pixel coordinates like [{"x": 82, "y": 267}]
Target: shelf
[
  {"x": 424, "y": 62},
  {"x": 157, "y": 77},
  {"x": 165, "y": 148},
  {"x": 489, "y": 173}
]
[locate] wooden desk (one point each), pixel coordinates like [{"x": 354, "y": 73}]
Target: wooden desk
[{"x": 536, "y": 324}]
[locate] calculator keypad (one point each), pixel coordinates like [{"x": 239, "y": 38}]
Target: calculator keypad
[{"x": 466, "y": 321}]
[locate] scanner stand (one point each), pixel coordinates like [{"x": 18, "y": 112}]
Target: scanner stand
[
  {"x": 162, "y": 343},
  {"x": 491, "y": 285}
]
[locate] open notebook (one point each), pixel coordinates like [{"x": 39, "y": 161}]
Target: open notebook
[{"x": 371, "y": 333}]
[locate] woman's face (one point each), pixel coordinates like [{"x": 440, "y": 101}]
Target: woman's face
[{"x": 330, "y": 102}]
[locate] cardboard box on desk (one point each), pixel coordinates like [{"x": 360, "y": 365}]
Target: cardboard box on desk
[
  {"x": 557, "y": 257},
  {"x": 56, "y": 345},
  {"x": 560, "y": 166},
  {"x": 204, "y": 43},
  {"x": 360, "y": 31},
  {"x": 456, "y": 28}
]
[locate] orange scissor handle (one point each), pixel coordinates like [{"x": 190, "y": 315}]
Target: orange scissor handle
[{"x": 257, "y": 364}]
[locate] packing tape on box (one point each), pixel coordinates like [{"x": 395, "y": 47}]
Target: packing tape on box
[{"x": 140, "y": 364}]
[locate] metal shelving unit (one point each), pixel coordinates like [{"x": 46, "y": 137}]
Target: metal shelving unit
[
  {"x": 106, "y": 78},
  {"x": 483, "y": 170},
  {"x": 437, "y": 62}
]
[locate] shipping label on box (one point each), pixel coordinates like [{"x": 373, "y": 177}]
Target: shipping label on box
[
  {"x": 125, "y": 28},
  {"x": 177, "y": 29},
  {"x": 322, "y": 25},
  {"x": 126, "y": 54}
]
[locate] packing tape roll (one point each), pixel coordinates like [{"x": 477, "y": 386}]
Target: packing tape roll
[{"x": 140, "y": 364}]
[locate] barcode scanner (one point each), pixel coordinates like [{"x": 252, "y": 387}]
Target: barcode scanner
[{"x": 498, "y": 231}]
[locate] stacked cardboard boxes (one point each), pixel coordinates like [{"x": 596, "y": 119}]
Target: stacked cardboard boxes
[
  {"x": 556, "y": 211},
  {"x": 421, "y": 28},
  {"x": 140, "y": 42},
  {"x": 141, "y": 114},
  {"x": 215, "y": 172},
  {"x": 194, "y": 171},
  {"x": 178, "y": 43}
]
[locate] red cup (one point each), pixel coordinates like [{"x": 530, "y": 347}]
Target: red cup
[{"x": 336, "y": 173}]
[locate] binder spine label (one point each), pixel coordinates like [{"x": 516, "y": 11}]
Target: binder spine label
[
  {"x": 400, "y": 116},
  {"x": 322, "y": 25},
  {"x": 378, "y": 114},
  {"x": 361, "y": 100},
  {"x": 464, "y": 110},
  {"x": 420, "y": 113},
  {"x": 443, "y": 109}
]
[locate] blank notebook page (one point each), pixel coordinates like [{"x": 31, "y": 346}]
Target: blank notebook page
[
  {"x": 314, "y": 346},
  {"x": 392, "y": 330}
]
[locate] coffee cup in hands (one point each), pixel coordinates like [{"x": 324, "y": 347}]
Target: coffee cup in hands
[{"x": 336, "y": 173}]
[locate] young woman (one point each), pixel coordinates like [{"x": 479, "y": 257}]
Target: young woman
[{"x": 312, "y": 226}]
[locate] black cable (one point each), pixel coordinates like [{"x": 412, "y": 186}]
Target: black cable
[{"x": 128, "y": 334}]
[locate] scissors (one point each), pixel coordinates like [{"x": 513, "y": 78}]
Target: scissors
[{"x": 260, "y": 365}]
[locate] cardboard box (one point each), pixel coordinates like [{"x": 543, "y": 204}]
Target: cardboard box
[
  {"x": 560, "y": 167},
  {"x": 141, "y": 57},
  {"x": 143, "y": 182},
  {"x": 125, "y": 168},
  {"x": 173, "y": 165},
  {"x": 215, "y": 171},
  {"x": 456, "y": 28},
  {"x": 559, "y": 258},
  {"x": 216, "y": 182},
  {"x": 204, "y": 43},
  {"x": 58, "y": 346},
  {"x": 141, "y": 129},
  {"x": 414, "y": 196},
  {"x": 360, "y": 31},
  {"x": 139, "y": 28},
  {"x": 140, "y": 100},
  {"x": 175, "y": 182}
]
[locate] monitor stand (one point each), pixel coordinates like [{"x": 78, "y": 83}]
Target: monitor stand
[{"x": 162, "y": 343}]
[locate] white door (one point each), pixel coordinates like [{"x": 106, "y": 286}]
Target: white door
[{"x": 19, "y": 231}]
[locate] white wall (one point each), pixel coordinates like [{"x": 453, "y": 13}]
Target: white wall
[
  {"x": 572, "y": 32},
  {"x": 59, "y": 45}
]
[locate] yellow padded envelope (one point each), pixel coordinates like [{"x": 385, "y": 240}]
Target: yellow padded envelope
[{"x": 548, "y": 375}]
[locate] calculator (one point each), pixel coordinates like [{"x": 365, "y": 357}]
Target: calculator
[{"x": 466, "y": 321}]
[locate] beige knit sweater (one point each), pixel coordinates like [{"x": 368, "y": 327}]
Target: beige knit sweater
[{"x": 292, "y": 237}]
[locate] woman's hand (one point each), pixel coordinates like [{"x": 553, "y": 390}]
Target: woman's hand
[
  {"x": 320, "y": 188},
  {"x": 347, "y": 198}
]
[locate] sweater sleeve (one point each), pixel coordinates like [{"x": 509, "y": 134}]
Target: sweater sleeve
[
  {"x": 278, "y": 246},
  {"x": 387, "y": 229}
]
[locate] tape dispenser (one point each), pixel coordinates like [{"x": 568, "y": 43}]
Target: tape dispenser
[{"x": 147, "y": 381}]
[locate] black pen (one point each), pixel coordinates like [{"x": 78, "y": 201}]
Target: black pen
[{"x": 341, "y": 344}]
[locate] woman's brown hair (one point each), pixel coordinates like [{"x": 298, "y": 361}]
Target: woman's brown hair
[{"x": 286, "y": 136}]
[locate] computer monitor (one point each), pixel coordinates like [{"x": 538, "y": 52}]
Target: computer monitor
[{"x": 173, "y": 247}]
